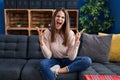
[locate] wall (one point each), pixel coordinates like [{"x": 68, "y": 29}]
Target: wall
[
  {"x": 114, "y": 8},
  {"x": 115, "y": 12},
  {"x": 2, "y": 28}
]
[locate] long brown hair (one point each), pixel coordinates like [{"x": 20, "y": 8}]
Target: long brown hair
[{"x": 65, "y": 28}]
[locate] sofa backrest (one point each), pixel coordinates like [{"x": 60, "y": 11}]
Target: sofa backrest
[
  {"x": 34, "y": 50},
  {"x": 13, "y": 46}
]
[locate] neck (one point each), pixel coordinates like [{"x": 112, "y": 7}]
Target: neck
[{"x": 58, "y": 31}]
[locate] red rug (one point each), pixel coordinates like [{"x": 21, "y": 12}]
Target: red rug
[{"x": 101, "y": 77}]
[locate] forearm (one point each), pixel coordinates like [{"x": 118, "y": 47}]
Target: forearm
[
  {"x": 72, "y": 53},
  {"x": 46, "y": 51},
  {"x": 40, "y": 40}
]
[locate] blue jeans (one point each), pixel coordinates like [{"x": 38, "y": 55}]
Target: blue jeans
[{"x": 79, "y": 64}]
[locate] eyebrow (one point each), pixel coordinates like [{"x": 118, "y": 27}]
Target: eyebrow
[{"x": 60, "y": 16}]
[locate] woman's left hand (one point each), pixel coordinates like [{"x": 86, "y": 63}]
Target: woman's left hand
[
  {"x": 78, "y": 35},
  {"x": 40, "y": 33}
]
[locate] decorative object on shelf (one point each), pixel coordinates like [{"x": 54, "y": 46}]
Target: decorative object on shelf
[
  {"x": 19, "y": 23},
  {"x": 95, "y": 16},
  {"x": 41, "y": 24}
]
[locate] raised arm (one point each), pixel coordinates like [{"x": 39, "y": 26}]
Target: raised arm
[
  {"x": 74, "y": 44},
  {"x": 45, "y": 42}
]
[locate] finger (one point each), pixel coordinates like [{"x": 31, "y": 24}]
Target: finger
[
  {"x": 82, "y": 31},
  {"x": 77, "y": 31},
  {"x": 37, "y": 29}
]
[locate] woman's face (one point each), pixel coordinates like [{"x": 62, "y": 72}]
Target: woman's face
[{"x": 59, "y": 20}]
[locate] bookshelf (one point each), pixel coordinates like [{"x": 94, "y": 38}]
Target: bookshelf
[{"x": 30, "y": 18}]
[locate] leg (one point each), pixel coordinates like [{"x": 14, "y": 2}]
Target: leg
[
  {"x": 45, "y": 66},
  {"x": 79, "y": 64}
]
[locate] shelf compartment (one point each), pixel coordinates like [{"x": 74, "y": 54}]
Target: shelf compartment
[
  {"x": 44, "y": 16},
  {"x": 73, "y": 18},
  {"x": 14, "y": 15},
  {"x": 33, "y": 32},
  {"x": 17, "y": 32}
]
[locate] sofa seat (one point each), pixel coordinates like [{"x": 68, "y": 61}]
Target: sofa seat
[
  {"x": 31, "y": 70},
  {"x": 10, "y": 69},
  {"x": 111, "y": 68},
  {"x": 13, "y": 56},
  {"x": 68, "y": 76},
  {"x": 20, "y": 56}
]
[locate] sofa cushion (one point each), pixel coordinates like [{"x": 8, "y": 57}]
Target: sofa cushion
[
  {"x": 96, "y": 47},
  {"x": 34, "y": 50},
  {"x": 10, "y": 69},
  {"x": 68, "y": 76},
  {"x": 31, "y": 70},
  {"x": 13, "y": 46},
  {"x": 114, "y": 48}
]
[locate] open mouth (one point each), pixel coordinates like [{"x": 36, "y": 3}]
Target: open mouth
[{"x": 59, "y": 23}]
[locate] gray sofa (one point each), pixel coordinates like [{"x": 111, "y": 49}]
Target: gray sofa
[{"x": 20, "y": 56}]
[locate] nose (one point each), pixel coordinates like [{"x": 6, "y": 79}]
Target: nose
[{"x": 59, "y": 17}]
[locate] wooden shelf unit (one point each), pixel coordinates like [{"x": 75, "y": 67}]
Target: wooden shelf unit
[{"x": 30, "y": 19}]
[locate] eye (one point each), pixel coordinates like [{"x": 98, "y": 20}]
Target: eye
[
  {"x": 63, "y": 17},
  {"x": 60, "y": 16}
]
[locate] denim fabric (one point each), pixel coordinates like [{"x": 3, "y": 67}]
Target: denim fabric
[{"x": 79, "y": 64}]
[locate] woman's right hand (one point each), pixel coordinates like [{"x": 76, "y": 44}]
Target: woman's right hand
[
  {"x": 40, "y": 33},
  {"x": 78, "y": 34}
]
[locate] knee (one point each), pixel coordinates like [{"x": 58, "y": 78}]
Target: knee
[
  {"x": 43, "y": 63},
  {"x": 87, "y": 61}
]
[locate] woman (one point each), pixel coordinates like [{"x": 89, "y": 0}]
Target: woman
[{"x": 59, "y": 45}]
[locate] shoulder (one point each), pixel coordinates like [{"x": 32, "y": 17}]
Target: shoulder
[
  {"x": 47, "y": 33},
  {"x": 71, "y": 33}
]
